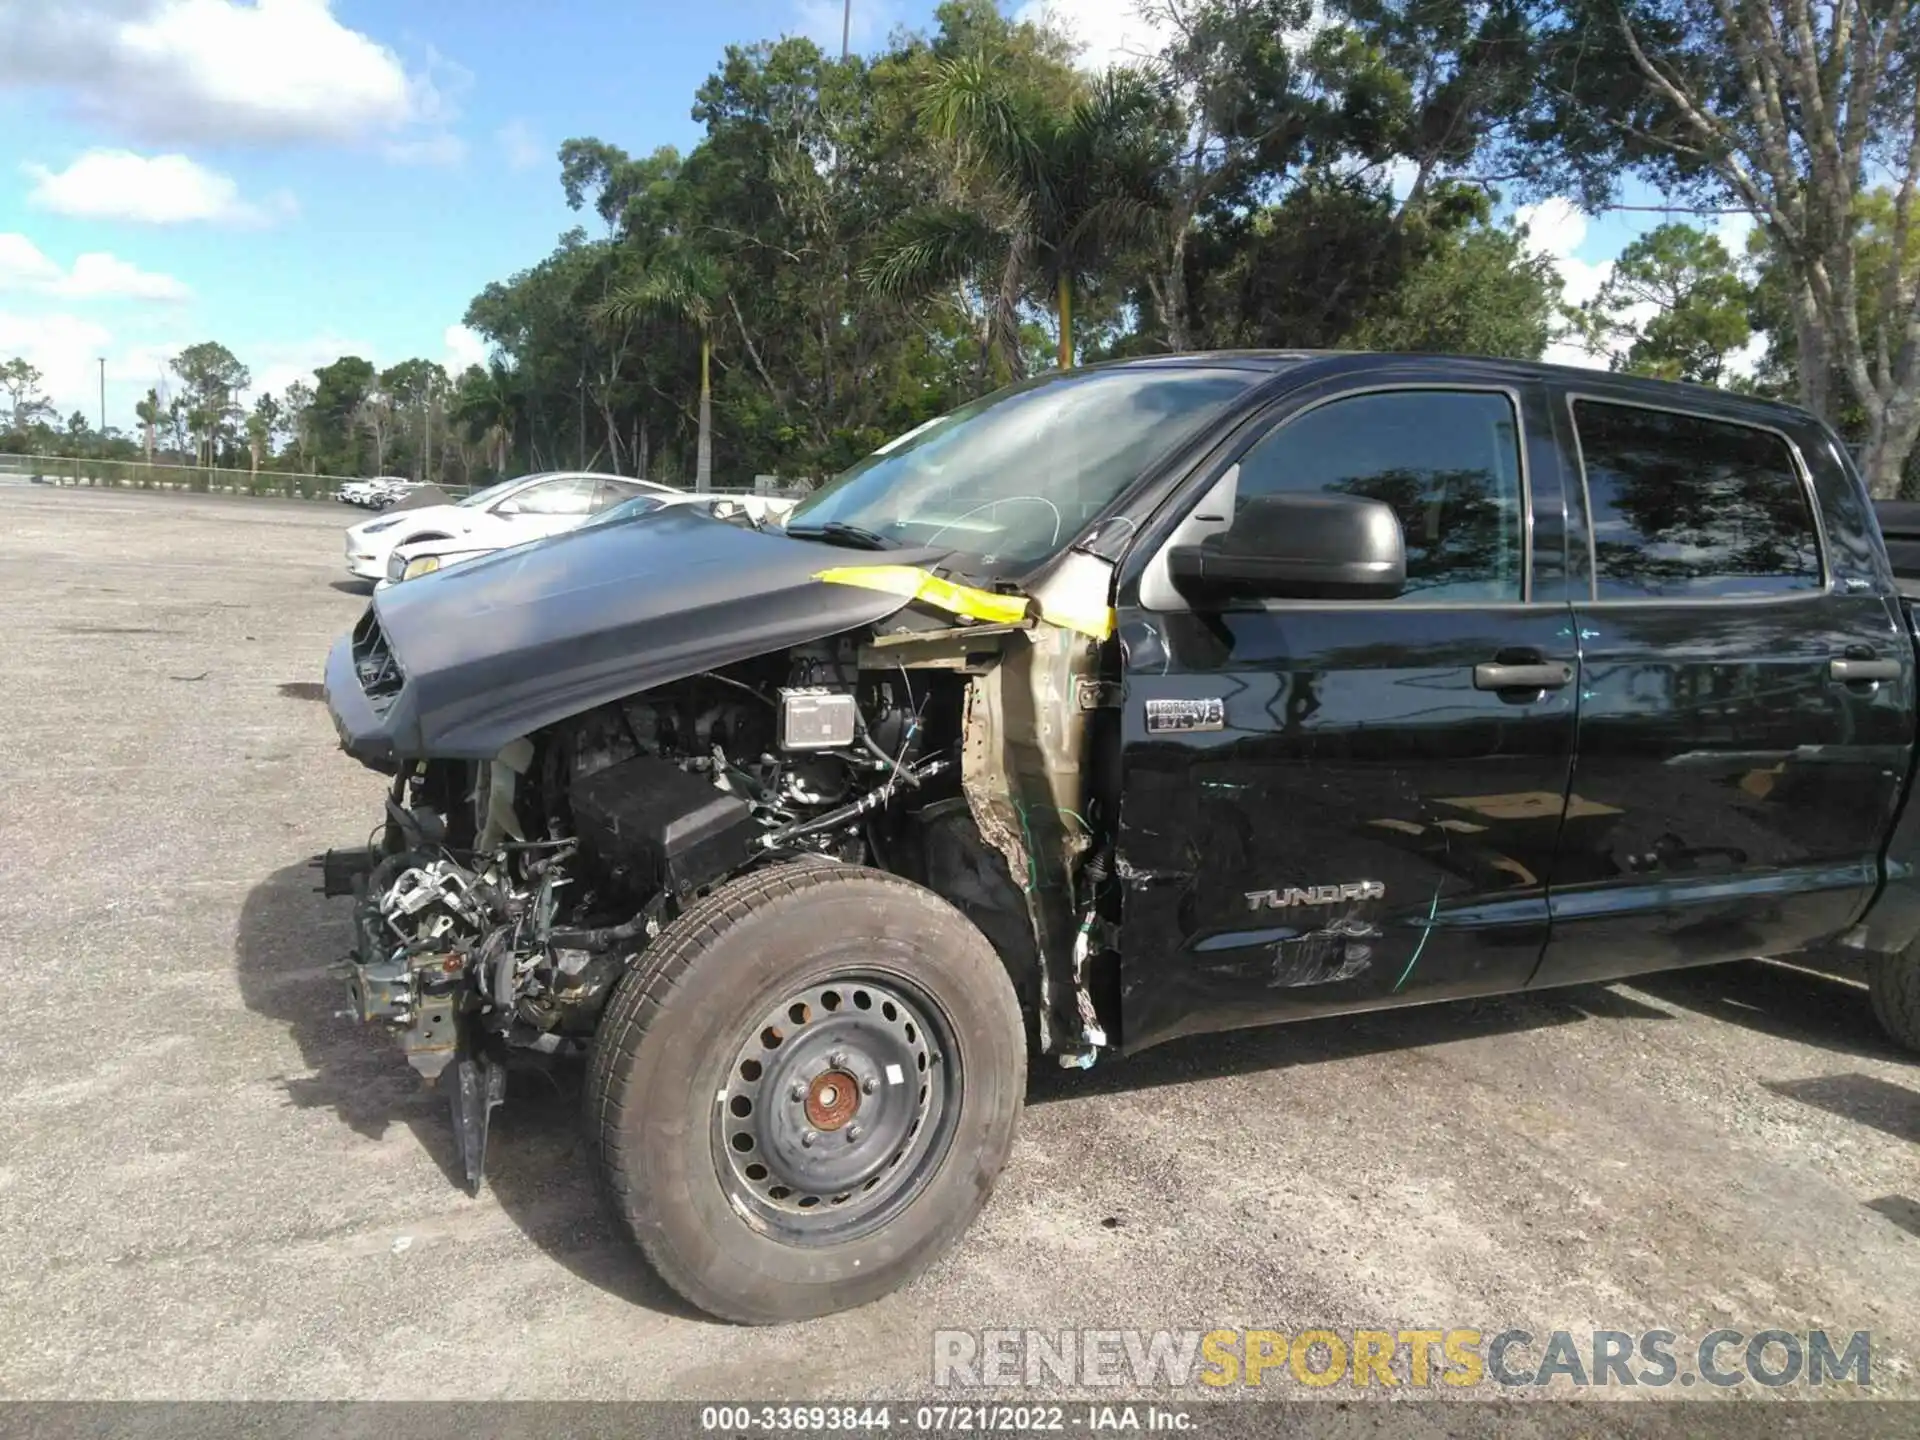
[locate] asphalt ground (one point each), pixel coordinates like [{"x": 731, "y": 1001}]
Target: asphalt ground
[{"x": 211, "y": 1186}]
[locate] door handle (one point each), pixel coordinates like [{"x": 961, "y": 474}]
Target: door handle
[
  {"x": 1854, "y": 670},
  {"x": 1521, "y": 677}
]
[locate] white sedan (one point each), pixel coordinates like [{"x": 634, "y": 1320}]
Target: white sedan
[
  {"x": 505, "y": 514},
  {"x": 425, "y": 557}
]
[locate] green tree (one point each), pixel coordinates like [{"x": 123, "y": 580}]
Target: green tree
[
  {"x": 487, "y": 407},
  {"x": 1240, "y": 112},
  {"x": 263, "y": 424},
  {"x": 178, "y": 425},
  {"x": 1052, "y": 195},
  {"x": 149, "y": 412},
  {"x": 687, "y": 285},
  {"x": 338, "y": 392},
  {"x": 1471, "y": 290},
  {"x": 296, "y": 423},
  {"x": 212, "y": 377},
  {"x": 1780, "y": 109},
  {"x": 1674, "y": 306},
  {"x": 1771, "y": 315},
  {"x": 26, "y": 402},
  {"x": 417, "y": 390}
]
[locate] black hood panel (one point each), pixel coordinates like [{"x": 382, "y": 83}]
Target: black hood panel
[{"x": 496, "y": 648}]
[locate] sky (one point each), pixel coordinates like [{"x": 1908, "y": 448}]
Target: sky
[{"x": 302, "y": 179}]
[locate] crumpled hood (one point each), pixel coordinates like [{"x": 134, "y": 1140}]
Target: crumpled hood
[{"x": 498, "y": 647}]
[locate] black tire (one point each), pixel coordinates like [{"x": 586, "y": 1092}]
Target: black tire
[
  {"x": 1894, "y": 983},
  {"x": 668, "y": 1055}
]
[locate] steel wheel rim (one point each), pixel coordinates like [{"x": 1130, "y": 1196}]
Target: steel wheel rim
[{"x": 836, "y": 1109}]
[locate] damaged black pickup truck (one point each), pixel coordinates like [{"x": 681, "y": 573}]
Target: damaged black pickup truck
[{"x": 1139, "y": 701}]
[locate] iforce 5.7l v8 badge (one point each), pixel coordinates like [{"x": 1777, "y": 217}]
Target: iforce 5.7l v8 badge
[{"x": 1180, "y": 717}]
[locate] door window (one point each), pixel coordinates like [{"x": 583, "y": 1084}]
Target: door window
[
  {"x": 569, "y": 495},
  {"x": 1446, "y": 461},
  {"x": 1687, "y": 507}
]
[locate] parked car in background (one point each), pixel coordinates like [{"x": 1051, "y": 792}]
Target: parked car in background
[
  {"x": 377, "y": 493},
  {"x": 426, "y": 557},
  {"x": 513, "y": 511}
]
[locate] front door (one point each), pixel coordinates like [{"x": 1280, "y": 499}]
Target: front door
[
  {"x": 1333, "y": 806},
  {"x": 1746, "y": 705}
]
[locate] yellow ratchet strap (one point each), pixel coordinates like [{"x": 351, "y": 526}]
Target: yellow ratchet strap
[{"x": 910, "y": 582}]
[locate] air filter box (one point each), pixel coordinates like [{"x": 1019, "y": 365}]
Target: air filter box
[{"x": 652, "y": 826}]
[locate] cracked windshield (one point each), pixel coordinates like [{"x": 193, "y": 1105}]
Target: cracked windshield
[{"x": 1014, "y": 477}]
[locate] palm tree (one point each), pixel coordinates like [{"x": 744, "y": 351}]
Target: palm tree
[
  {"x": 486, "y": 406},
  {"x": 256, "y": 440},
  {"x": 1053, "y": 193},
  {"x": 148, "y": 413},
  {"x": 687, "y": 285}
]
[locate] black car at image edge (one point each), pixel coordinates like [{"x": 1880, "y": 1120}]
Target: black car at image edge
[{"x": 1137, "y": 701}]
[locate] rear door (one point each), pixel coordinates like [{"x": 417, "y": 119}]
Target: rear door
[
  {"x": 1340, "y": 805},
  {"x": 1746, "y": 695}
]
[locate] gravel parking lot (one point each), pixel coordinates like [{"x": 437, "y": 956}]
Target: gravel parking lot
[{"x": 211, "y": 1186}]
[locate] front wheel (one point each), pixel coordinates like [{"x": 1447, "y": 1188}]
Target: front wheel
[
  {"x": 803, "y": 1094},
  {"x": 1894, "y": 983}
]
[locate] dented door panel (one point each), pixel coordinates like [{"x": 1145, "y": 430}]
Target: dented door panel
[{"x": 1332, "y": 816}]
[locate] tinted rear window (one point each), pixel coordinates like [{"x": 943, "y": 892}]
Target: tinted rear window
[{"x": 1691, "y": 508}]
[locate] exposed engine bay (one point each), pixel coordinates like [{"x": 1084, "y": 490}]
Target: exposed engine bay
[{"x": 504, "y": 900}]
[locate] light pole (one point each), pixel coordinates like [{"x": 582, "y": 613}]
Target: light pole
[
  {"x": 846, "y": 28},
  {"x": 103, "y": 399}
]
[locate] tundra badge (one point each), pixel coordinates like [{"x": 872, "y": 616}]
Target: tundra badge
[
  {"x": 1315, "y": 895},
  {"x": 1179, "y": 716}
]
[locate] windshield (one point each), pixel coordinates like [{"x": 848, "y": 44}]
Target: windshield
[
  {"x": 626, "y": 510},
  {"x": 492, "y": 492},
  {"x": 1014, "y": 477}
]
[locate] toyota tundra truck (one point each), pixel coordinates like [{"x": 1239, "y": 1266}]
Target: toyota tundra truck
[{"x": 1138, "y": 701}]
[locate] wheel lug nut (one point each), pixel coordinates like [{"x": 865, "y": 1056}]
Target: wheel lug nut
[
  {"x": 869, "y": 1085},
  {"x": 853, "y": 1133},
  {"x": 838, "y": 1059},
  {"x": 798, "y": 1092},
  {"x": 808, "y": 1138}
]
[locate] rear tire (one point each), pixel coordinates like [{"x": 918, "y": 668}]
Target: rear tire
[
  {"x": 1894, "y": 982},
  {"x": 803, "y": 1093}
]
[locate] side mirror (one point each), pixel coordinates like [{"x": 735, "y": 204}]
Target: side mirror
[
  {"x": 1304, "y": 547},
  {"x": 507, "y": 508}
]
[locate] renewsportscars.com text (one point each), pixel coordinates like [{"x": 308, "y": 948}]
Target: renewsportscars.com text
[{"x": 1401, "y": 1358}]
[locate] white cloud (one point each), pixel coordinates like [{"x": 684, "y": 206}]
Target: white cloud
[
  {"x": 1110, "y": 32},
  {"x": 1733, "y": 231},
  {"x": 66, "y": 350},
  {"x": 107, "y": 275},
  {"x": 225, "y": 71},
  {"x": 23, "y": 266},
  {"x": 151, "y": 189},
  {"x": 518, "y": 146},
  {"x": 464, "y": 347},
  {"x": 1556, "y": 228},
  {"x": 96, "y": 275}
]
